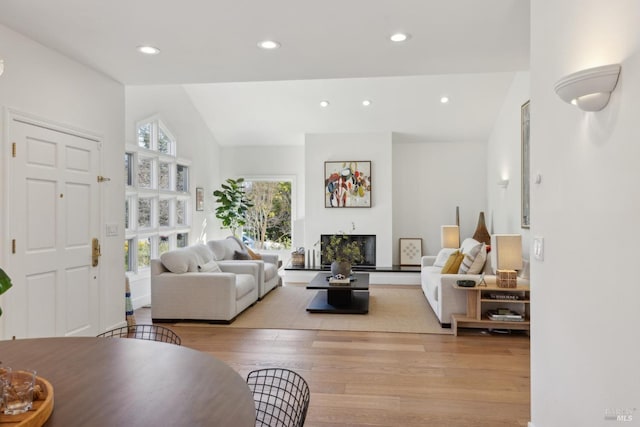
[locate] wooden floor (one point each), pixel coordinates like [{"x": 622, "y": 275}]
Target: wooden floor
[{"x": 385, "y": 379}]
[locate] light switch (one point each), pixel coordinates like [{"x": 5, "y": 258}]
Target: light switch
[
  {"x": 538, "y": 248},
  {"x": 112, "y": 230}
]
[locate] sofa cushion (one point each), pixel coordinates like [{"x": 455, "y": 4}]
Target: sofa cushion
[
  {"x": 470, "y": 249},
  {"x": 443, "y": 256},
  {"x": 252, "y": 254},
  {"x": 202, "y": 252},
  {"x": 209, "y": 267},
  {"x": 180, "y": 260},
  {"x": 453, "y": 263},
  {"x": 245, "y": 283},
  {"x": 241, "y": 255}
]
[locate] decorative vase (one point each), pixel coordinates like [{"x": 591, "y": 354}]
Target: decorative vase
[
  {"x": 482, "y": 234},
  {"x": 340, "y": 267}
]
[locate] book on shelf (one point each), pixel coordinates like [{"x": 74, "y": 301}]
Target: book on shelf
[
  {"x": 504, "y": 314},
  {"x": 334, "y": 281},
  {"x": 503, "y": 296}
]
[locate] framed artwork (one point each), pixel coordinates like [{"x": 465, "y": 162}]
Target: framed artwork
[
  {"x": 199, "y": 198},
  {"x": 526, "y": 165},
  {"x": 347, "y": 184},
  {"x": 410, "y": 252}
]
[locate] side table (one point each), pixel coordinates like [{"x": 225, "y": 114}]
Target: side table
[{"x": 483, "y": 298}]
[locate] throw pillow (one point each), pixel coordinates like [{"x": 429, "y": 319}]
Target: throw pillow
[
  {"x": 443, "y": 256},
  {"x": 478, "y": 263},
  {"x": 470, "y": 249},
  {"x": 241, "y": 255},
  {"x": 209, "y": 267},
  {"x": 453, "y": 263},
  {"x": 253, "y": 255}
]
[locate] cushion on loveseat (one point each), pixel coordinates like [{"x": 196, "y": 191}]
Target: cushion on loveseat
[{"x": 187, "y": 259}]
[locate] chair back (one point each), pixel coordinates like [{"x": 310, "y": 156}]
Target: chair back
[
  {"x": 281, "y": 397},
  {"x": 144, "y": 332}
]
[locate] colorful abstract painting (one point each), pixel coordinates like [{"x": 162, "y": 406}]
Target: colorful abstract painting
[{"x": 347, "y": 184}]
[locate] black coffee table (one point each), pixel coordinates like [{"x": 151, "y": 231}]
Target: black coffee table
[{"x": 340, "y": 299}]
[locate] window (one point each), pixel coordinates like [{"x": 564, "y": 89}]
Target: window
[
  {"x": 157, "y": 202},
  {"x": 269, "y": 219}
]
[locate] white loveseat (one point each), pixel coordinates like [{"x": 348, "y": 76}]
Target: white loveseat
[
  {"x": 231, "y": 250},
  {"x": 187, "y": 284}
]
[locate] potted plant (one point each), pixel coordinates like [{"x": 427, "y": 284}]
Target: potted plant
[
  {"x": 342, "y": 253},
  {"x": 233, "y": 204},
  {"x": 5, "y": 284}
]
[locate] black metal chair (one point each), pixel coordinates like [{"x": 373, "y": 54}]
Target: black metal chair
[
  {"x": 281, "y": 396},
  {"x": 144, "y": 332}
]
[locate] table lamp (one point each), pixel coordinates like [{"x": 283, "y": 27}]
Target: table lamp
[
  {"x": 506, "y": 258},
  {"x": 450, "y": 236}
]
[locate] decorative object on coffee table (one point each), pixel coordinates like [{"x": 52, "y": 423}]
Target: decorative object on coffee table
[
  {"x": 347, "y": 184},
  {"x": 342, "y": 253},
  {"x": 482, "y": 234},
  {"x": 410, "y": 251},
  {"x": 507, "y": 258}
]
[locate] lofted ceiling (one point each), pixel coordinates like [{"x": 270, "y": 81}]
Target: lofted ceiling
[{"x": 335, "y": 50}]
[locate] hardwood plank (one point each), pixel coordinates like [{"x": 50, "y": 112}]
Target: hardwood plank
[{"x": 386, "y": 379}]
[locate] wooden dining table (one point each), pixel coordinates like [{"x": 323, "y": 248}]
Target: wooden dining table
[{"x": 131, "y": 382}]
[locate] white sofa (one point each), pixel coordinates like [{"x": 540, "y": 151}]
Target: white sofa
[
  {"x": 227, "y": 251},
  {"x": 439, "y": 290},
  {"x": 186, "y": 286}
]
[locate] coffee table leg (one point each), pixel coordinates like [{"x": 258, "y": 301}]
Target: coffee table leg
[{"x": 339, "y": 297}]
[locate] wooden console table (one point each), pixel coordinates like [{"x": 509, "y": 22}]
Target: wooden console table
[{"x": 483, "y": 298}]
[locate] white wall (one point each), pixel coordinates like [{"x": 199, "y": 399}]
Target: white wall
[
  {"x": 194, "y": 143},
  {"x": 584, "y": 339},
  {"x": 43, "y": 83},
  {"x": 504, "y": 162},
  {"x": 378, "y": 219},
  {"x": 429, "y": 180}
]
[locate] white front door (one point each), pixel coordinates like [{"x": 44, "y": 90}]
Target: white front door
[{"x": 54, "y": 207}]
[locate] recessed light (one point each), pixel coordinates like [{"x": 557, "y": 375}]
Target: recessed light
[
  {"x": 399, "y": 37},
  {"x": 324, "y": 103},
  {"x": 444, "y": 99},
  {"x": 366, "y": 102},
  {"x": 269, "y": 44},
  {"x": 148, "y": 50}
]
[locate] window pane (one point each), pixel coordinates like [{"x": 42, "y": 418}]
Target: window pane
[
  {"x": 127, "y": 222},
  {"x": 164, "y": 176},
  {"x": 163, "y": 245},
  {"x": 182, "y": 178},
  {"x": 144, "y": 213},
  {"x": 128, "y": 264},
  {"x": 182, "y": 240},
  {"x": 181, "y": 212},
  {"x": 144, "y": 173},
  {"x": 164, "y": 142},
  {"x": 163, "y": 213},
  {"x": 144, "y": 136},
  {"x": 144, "y": 252},
  {"x": 128, "y": 166}
]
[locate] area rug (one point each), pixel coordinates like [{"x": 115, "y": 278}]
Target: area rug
[{"x": 391, "y": 309}]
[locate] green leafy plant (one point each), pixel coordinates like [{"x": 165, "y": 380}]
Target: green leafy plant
[
  {"x": 5, "y": 284},
  {"x": 234, "y": 204},
  {"x": 340, "y": 249}
]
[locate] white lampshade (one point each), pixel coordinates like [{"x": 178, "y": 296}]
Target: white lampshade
[
  {"x": 506, "y": 252},
  {"x": 450, "y": 236}
]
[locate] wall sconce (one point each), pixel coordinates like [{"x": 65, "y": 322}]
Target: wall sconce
[
  {"x": 503, "y": 183},
  {"x": 589, "y": 89},
  {"x": 1, "y": 66}
]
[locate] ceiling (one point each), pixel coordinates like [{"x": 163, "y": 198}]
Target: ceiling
[{"x": 335, "y": 50}]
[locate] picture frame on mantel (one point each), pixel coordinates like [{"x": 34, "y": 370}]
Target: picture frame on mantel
[
  {"x": 347, "y": 184},
  {"x": 525, "y": 192},
  {"x": 410, "y": 252}
]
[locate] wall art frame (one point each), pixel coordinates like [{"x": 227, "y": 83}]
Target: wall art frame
[
  {"x": 410, "y": 250},
  {"x": 199, "y": 198},
  {"x": 525, "y": 193},
  {"x": 347, "y": 184}
]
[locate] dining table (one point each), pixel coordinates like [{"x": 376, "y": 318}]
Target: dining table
[{"x": 131, "y": 382}]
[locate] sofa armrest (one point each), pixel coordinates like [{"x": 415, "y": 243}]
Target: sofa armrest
[
  {"x": 427, "y": 260},
  {"x": 270, "y": 258}
]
